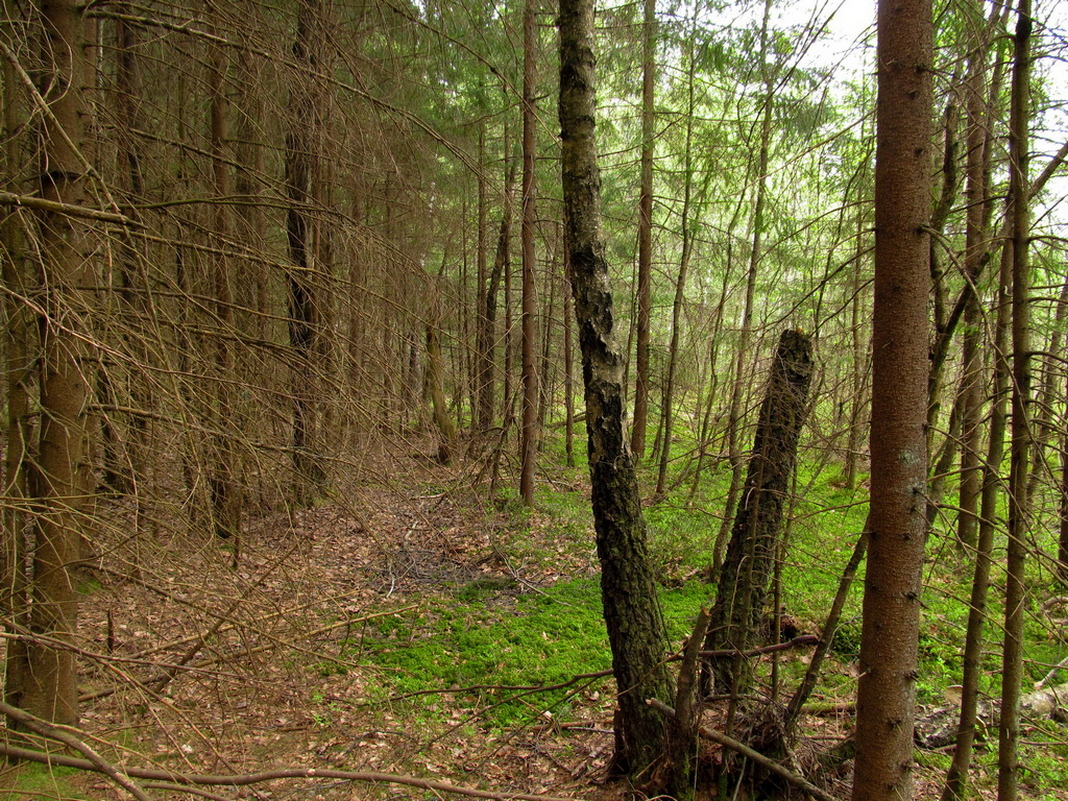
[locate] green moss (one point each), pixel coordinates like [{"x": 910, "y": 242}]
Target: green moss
[
  {"x": 486, "y": 637},
  {"x": 34, "y": 781}
]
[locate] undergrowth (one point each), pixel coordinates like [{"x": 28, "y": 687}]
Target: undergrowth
[{"x": 493, "y": 647}]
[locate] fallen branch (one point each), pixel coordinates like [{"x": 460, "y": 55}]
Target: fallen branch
[
  {"x": 246, "y": 779},
  {"x": 755, "y": 756},
  {"x": 1053, "y": 672},
  {"x": 63, "y": 735},
  {"x": 938, "y": 728},
  {"x": 796, "y": 642}
]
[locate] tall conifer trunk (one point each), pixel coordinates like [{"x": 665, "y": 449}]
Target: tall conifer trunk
[
  {"x": 19, "y": 384},
  {"x": 529, "y": 434},
  {"x": 305, "y": 276},
  {"x": 888, "y": 658},
  {"x": 62, "y": 481},
  {"x": 645, "y": 237},
  {"x": 1015, "y": 587}
]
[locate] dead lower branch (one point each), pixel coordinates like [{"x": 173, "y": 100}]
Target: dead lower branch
[{"x": 246, "y": 779}]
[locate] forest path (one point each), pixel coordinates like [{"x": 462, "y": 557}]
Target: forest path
[{"x": 278, "y": 654}]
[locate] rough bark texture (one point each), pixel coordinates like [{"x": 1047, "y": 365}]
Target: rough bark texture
[
  {"x": 306, "y": 307},
  {"x": 970, "y": 532},
  {"x": 529, "y": 438},
  {"x": 667, "y": 412},
  {"x": 886, "y": 693},
  {"x": 1062, "y": 544},
  {"x": 645, "y": 237},
  {"x": 19, "y": 383},
  {"x": 1015, "y": 586},
  {"x": 62, "y": 480},
  {"x": 631, "y": 610},
  {"x": 736, "y": 414},
  {"x": 743, "y": 580},
  {"x": 225, "y": 494}
]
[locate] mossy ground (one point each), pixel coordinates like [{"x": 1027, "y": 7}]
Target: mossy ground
[{"x": 486, "y": 640}]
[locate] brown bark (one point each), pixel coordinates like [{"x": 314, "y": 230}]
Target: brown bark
[
  {"x": 632, "y": 613},
  {"x": 743, "y": 580},
  {"x": 645, "y": 237},
  {"x": 888, "y": 658},
  {"x": 529, "y": 434},
  {"x": 668, "y": 405},
  {"x": 1015, "y": 588},
  {"x": 483, "y": 378},
  {"x": 19, "y": 384},
  {"x": 734, "y": 417},
  {"x": 222, "y": 479},
  {"x": 977, "y": 173},
  {"x": 307, "y": 335},
  {"x": 1062, "y": 542},
  {"x": 978, "y": 487},
  {"x": 62, "y": 482}
]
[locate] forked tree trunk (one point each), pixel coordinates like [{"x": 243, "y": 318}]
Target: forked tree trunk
[
  {"x": 888, "y": 650},
  {"x": 631, "y": 610},
  {"x": 978, "y": 492},
  {"x": 743, "y": 580}
]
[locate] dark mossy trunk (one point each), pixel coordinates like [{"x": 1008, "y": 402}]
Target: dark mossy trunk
[
  {"x": 631, "y": 609},
  {"x": 746, "y": 572}
]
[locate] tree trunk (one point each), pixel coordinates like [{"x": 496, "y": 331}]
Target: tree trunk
[
  {"x": 645, "y": 236},
  {"x": 734, "y": 418},
  {"x": 977, "y": 160},
  {"x": 487, "y": 346},
  {"x": 19, "y": 383},
  {"x": 1015, "y": 588},
  {"x": 888, "y": 658},
  {"x": 529, "y": 438},
  {"x": 124, "y": 462},
  {"x": 988, "y": 511},
  {"x": 222, "y": 479},
  {"x": 1062, "y": 544},
  {"x": 303, "y": 279},
  {"x": 435, "y": 376},
  {"x": 483, "y": 412},
  {"x": 62, "y": 483},
  {"x": 569, "y": 359},
  {"x": 1044, "y": 426},
  {"x": 743, "y": 580},
  {"x": 668, "y": 406},
  {"x": 632, "y": 612}
]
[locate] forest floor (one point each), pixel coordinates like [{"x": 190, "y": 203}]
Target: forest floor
[{"x": 278, "y": 659}]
